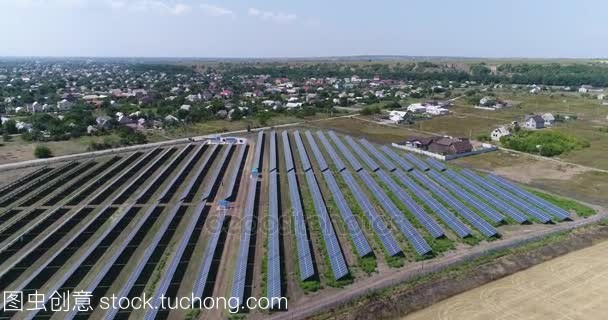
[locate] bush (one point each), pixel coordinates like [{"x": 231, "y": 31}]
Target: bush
[
  {"x": 370, "y": 110},
  {"x": 42, "y": 152},
  {"x": 483, "y": 138},
  {"x": 546, "y": 143}
]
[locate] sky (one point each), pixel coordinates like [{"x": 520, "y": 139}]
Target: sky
[{"x": 298, "y": 28}]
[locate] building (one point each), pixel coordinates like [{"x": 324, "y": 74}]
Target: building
[
  {"x": 448, "y": 145},
  {"x": 549, "y": 119},
  {"x": 499, "y": 133},
  {"x": 397, "y": 116},
  {"x": 534, "y": 122},
  {"x": 64, "y": 105}
]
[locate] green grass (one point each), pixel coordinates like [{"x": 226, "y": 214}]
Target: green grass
[
  {"x": 566, "y": 204},
  {"x": 368, "y": 264}
]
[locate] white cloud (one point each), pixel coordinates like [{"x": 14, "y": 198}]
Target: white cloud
[
  {"x": 216, "y": 11},
  {"x": 149, "y": 5},
  {"x": 278, "y": 17}
]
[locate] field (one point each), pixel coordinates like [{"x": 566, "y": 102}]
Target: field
[
  {"x": 573, "y": 286},
  {"x": 154, "y": 222}
]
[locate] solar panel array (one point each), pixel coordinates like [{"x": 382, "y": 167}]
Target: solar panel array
[
  {"x": 485, "y": 209},
  {"x": 203, "y": 272},
  {"x": 332, "y": 246},
  {"x": 345, "y": 152},
  {"x": 361, "y": 245},
  {"x": 388, "y": 165},
  {"x": 442, "y": 212},
  {"x": 505, "y": 195},
  {"x": 362, "y": 154},
  {"x": 429, "y": 224},
  {"x": 480, "y": 224},
  {"x": 435, "y": 164},
  {"x": 273, "y": 289},
  {"x": 388, "y": 241},
  {"x": 488, "y": 197},
  {"x": 302, "y": 242},
  {"x": 240, "y": 272},
  {"x": 397, "y": 158},
  {"x": 332, "y": 152},
  {"x": 557, "y": 212},
  {"x": 417, "y": 162}
]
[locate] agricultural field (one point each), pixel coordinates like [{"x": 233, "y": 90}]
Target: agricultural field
[{"x": 302, "y": 214}]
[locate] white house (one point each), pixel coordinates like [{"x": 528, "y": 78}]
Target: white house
[
  {"x": 534, "y": 122},
  {"x": 585, "y": 88},
  {"x": 436, "y": 110},
  {"x": 397, "y": 116},
  {"x": 64, "y": 105},
  {"x": 185, "y": 107},
  {"x": 416, "y": 108},
  {"x": 535, "y": 90},
  {"x": 291, "y": 105},
  {"x": 549, "y": 119},
  {"x": 22, "y": 126},
  {"x": 499, "y": 133}
]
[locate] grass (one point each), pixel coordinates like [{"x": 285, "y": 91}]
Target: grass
[{"x": 566, "y": 204}]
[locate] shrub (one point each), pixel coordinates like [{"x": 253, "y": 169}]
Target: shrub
[
  {"x": 546, "y": 143},
  {"x": 370, "y": 110},
  {"x": 42, "y": 152}
]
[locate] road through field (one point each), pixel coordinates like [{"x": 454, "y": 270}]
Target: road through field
[{"x": 573, "y": 286}]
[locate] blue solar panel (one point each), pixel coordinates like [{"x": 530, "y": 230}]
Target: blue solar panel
[
  {"x": 402, "y": 223},
  {"x": 488, "y": 197},
  {"x": 257, "y": 157},
  {"x": 203, "y": 272},
  {"x": 272, "y": 162},
  {"x": 332, "y": 246},
  {"x": 486, "y": 229},
  {"x": 215, "y": 177},
  {"x": 357, "y": 149},
  {"x": 332, "y": 152},
  {"x": 442, "y": 212},
  {"x": 317, "y": 152},
  {"x": 353, "y": 162},
  {"x": 273, "y": 289},
  {"x": 436, "y": 164},
  {"x": 289, "y": 166},
  {"x": 302, "y": 241},
  {"x": 398, "y": 159},
  {"x": 559, "y": 213},
  {"x": 421, "y": 165},
  {"x": 467, "y": 197},
  {"x": 304, "y": 161},
  {"x": 388, "y": 165},
  {"x": 507, "y": 196}
]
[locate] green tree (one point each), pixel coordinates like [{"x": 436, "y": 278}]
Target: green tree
[{"x": 42, "y": 152}]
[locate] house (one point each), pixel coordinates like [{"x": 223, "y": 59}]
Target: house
[
  {"x": 449, "y": 145},
  {"x": 23, "y": 126},
  {"x": 416, "y": 108},
  {"x": 499, "y": 133},
  {"x": 436, "y": 110},
  {"x": 185, "y": 107},
  {"x": 64, "y": 105},
  {"x": 194, "y": 97},
  {"x": 585, "y": 88},
  {"x": 291, "y": 105},
  {"x": 34, "y": 107},
  {"x": 534, "y": 122},
  {"x": 549, "y": 119},
  {"x": 535, "y": 90},
  {"x": 397, "y": 116},
  {"x": 419, "y": 143},
  {"x": 171, "y": 118},
  {"x": 104, "y": 122}
]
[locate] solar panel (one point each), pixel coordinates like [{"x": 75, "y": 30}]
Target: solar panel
[
  {"x": 436, "y": 164},
  {"x": 302, "y": 241},
  {"x": 398, "y": 159},
  {"x": 232, "y": 178},
  {"x": 169, "y": 271},
  {"x": 507, "y": 196},
  {"x": 345, "y": 152},
  {"x": 356, "y": 234},
  {"x": 289, "y": 166},
  {"x": 483, "y": 226},
  {"x": 215, "y": 177},
  {"x": 257, "y": 157},
  {"x": 332, "y": 152},
  {"x": 332, "y": 246},
  {"x": 317, "y": 152},
  {"x": 466, "y": 196},
  {"x": 198, "y": 172},
  {"x": 203, "y": 272},
  {"x": 411, "y": 234},
  {"x": 488, "y": 197},
  {"x": 357, "y": 149},
  {"x": 417, "y": 162},
  {"x": 10, "y": 187},
  {"x": 442, "y": 212},
  {"x": 273, "y": 289},
  {"x": 388, "y": 165},
  {"x": 180, "y": 172},
  {"x": 559, "y": 213}
]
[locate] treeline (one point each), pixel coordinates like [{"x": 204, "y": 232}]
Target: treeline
[{"x": 543, "y": 74}]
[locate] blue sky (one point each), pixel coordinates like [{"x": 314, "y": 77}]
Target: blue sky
[{"x": 290, "y": 28}]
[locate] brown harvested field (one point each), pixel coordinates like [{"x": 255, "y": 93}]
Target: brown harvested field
[{"x": 573, "y": 286}]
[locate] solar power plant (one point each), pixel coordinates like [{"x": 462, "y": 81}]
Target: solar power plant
[
  {"x": 488, "y": 197},
  {"x": 354, "y": 230},
  {"x": 436, "y": 164},
  {"x": 417, "y": 162},
  {"x": 507, "y": 196},
  {"x": 476, "y": 221},
  {"x": 273, "y": 288},
  {"x": 4, "y": 190},
  {"x": 332, "y": 246},
  {"x": 332, "y": 152},
  {"x": 388, "y": 165},
  {"x": 362, "y": 154},
  {"x": 470, "y": 199},
  {"x": 302, "y": 242},
  {"x": 397, "y": 158},
  {"x": 345, "y": 152},
  {"x": 388, "y": 241},
  {"x": 205, "y": 268},
  {"x": 441, "y": 211},
  {"x": 559, "y": 213},
  {"x": 429, "y": 224}
]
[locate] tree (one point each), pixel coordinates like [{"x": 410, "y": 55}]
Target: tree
[
  {"x": 10, "y": 126},
  {"x": 42, "y": 152},
  {"x": 6, "y": 137}
]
